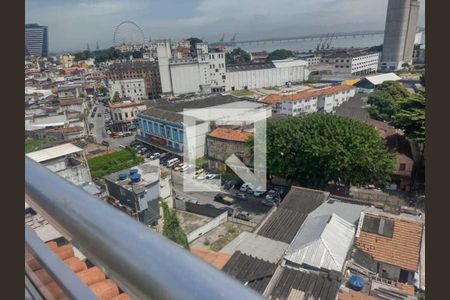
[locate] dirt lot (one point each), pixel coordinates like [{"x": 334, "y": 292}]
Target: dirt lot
[
  {"x": 189, "y": 222},
  {"x": 217, "y": 238}
]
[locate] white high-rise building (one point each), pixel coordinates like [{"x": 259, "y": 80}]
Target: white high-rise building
[
  {"x": 202, "y": 74},
  {"x": 399, "y": 34}
]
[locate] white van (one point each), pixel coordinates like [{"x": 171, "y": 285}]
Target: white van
[{"x": 172, "y": 162}]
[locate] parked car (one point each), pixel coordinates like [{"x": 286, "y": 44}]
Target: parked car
[
  {"x": 105, "y": 143},
  {"x": 202, "y": 176},
  {"x": 120, "y": 134},
  {"x": 225, "y": 199},
  {"x": 179, "y": 166},
  {"x": 272, "y": 194},
  {"x": 134, "y": 143},
  {"x": 114, "y": 134},
  {"x": 229, "y": 210},
  {"x": 127, "y": 133},
  {"x": 269, "y": 203},
  {"x": 259, "y": 192},
  {"x": 229, "y": 185},
  {"x": 241, "y": 196},
  {"x": 246, "y": 187},
  {"x": 198, "y": 172},
  {"x": 212, "y": 176},
  {"x": 99, "y": 115},
  {"x": 143, "y": 150},
  {"x": 154, "y": 156},
  {"x": 178, "y": 197},
  {"x": 243, "y": 215}
]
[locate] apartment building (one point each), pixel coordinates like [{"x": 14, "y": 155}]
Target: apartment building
[
  {"x": 135, "y": 80},
  {"x": 310, "y": 100},
  {"x": 353, "y": 62},
  {"x": 203, "y": 74}
]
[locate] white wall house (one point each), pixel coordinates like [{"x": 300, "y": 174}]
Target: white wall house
[
  {"x": 133, "y": 89},
  {"x": 354, "y": 64},
  {"x": 277, "y": 73},
  {"x": 315, "y": 100}
]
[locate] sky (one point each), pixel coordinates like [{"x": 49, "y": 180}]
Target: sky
[{"x": 72, "y": 24}]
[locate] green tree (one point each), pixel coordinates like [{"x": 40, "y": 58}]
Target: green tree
[
  {"x": 172, "y": 229},
  {"x": 279, "y": 54},
  {"x": 237, "y": 56},
  {"x": 410, "y": 117},
  {"x": 383, "y": 101},
  {"x": 116, "y": 98},
  {"x": 316, "y": 149},
  {"x": 102, "y": 90}
]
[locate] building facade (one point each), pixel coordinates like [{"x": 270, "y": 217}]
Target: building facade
[
  {"x": 275, "y": 73},
  {"x": 222, "y": 142},
  {"x": 140, "y": 194},
  {"x": 124, "y": 114},
  {"x": 36, "y": 40},
  {"x": 399, "y": 34},
  {"x": 204, "y": 73},
  {"x": 310, "y": 100},
  {"x": 136, "y": 80},
  {"x": 356, "y": 63}
]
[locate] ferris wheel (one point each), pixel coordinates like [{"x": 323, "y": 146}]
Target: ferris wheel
[{"x": 128, "y": 33}]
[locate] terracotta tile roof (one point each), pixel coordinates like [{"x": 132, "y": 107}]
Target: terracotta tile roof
[
  {"x": 353, "y": 295},
  {"x": 100, "y": 285},
  {"x": 305, "y": 94},
  {"x": 230, "y": 134},
  {"x": 217, "y": 259},
  {"x": 401, "y": 250}
]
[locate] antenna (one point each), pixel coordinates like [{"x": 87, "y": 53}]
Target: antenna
[
  {"x": 222, "y": 38},
  {"x": 88, "y": 48},
  {"x": 97, "y": 47},
  {"x": 233, "y": 38}
]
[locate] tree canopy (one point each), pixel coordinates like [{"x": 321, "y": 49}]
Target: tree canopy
[
  {"x": 383, "y": 101},
  {"x": 237, "y": 56},
  {"x": 316, "y": 149},
  {"x": 410, "y": 117},
  {"x": 280, "y": 54},
  {"x": 171, "y": 228},
  {"x": 107, "y": 54}
]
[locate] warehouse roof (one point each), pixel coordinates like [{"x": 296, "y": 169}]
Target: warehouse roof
[
  {"x": 350, "y": 212},
  {"x": 257, "y": 246},
  {"x": 249, "y": 67},
  {"x": 282, "y": 225},
  {"x": 53, "y": 152},
  {"x": 304, "y": 200},
  {"x": 293, "y": 284},
  {"x": 379, "y": 79},
  {"x": 255, "y": 273},
  {"x": 322, "y": 242}
]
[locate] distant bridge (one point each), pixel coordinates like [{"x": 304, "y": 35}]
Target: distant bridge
[{"x": 311, "y": 37}]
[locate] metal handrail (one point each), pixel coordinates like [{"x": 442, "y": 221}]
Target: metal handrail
[
  {"x": 72, "y": 286},
  {"x": 145, "y": 264}
]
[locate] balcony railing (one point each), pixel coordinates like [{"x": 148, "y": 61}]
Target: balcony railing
[{"x": 143, "y": 263}]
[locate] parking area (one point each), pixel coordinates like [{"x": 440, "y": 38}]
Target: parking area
[{"x": 256, "y": 206}]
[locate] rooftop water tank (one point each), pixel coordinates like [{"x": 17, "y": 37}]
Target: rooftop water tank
[
  {"x": 133, "y": 171},
  {"x": 122, "y": 176},
  {"x": 356, "y": 282},
  {"x": 136, "y": 177}
]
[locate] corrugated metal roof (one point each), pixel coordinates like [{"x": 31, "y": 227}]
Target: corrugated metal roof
[
  {"x": 54, "y": 152},
  {"x": 257, "y": 246},
  {"x": 379, "y": 79},
  {"x": 322, "y": 242},
  {"x": 350, "y": 212}
]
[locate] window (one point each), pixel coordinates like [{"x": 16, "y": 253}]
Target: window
[
  {"x": 132, "y": 114},
  {"x": 120, "y": 116},
  {"x": 402, "y": 167},
  {"x": 126, "y": 115}
]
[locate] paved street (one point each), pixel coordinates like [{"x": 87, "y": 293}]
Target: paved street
[
  {"x": 99, "y": 131},
  {"x": 252, "y": 204}
]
